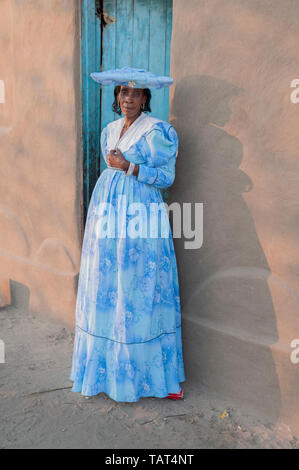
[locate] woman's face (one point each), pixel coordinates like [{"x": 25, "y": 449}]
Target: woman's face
[{"x": 130, "y": 100}]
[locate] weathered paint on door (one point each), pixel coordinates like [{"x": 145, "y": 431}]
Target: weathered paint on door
[
  {"x": 91, "y": 96},
  {"x": 116, "y": 33}
]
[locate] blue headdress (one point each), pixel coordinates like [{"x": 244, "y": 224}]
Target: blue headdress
[{"x": 131, "y": 77}]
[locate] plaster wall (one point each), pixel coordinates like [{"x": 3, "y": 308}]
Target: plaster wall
[
  {"x": 233, "y": 63},
  {"x": 41, "y": 157}
]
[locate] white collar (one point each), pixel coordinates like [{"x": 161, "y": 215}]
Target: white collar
[{"x": 141, "y": 125}]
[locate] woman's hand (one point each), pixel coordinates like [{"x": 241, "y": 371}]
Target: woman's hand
[{"x": 116, "y": 159}]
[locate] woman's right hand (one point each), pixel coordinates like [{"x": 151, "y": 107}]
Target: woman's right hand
[{"x": 116, "y": 159}]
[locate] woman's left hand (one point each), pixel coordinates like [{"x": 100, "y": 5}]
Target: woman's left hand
[{"x": 116, "y": 159}]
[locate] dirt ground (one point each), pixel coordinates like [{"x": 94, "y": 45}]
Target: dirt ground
[{"x": 38, "y": 409}]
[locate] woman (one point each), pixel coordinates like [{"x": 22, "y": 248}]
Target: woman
[{"x": 128, "y": 321}]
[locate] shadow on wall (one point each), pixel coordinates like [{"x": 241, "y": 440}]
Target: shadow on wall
[{"x": 230, "y": 322}]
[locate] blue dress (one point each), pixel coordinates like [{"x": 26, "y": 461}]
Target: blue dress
[{"x": 128, "y": 340}]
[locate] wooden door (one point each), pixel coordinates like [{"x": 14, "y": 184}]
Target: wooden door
[{"x": 114, "y": 34}]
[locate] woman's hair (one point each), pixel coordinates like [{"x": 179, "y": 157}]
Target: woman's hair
[{"x": 116, "y": 107}]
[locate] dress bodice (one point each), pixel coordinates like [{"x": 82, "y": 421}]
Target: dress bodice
[{"x": 149, "y": 142}]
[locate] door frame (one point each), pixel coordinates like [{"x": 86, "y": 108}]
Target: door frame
[{"x": 91, "y": 52}]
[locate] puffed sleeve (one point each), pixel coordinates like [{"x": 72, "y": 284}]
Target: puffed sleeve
[
  {"x": 104, "y": 143},
  {"x": 159, "y": 149}
]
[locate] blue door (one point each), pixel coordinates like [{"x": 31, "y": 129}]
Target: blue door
[{"x": 115, "y": 33}]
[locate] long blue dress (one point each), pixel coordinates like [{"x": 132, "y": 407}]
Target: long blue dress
[{"x": 128, "y": 340}]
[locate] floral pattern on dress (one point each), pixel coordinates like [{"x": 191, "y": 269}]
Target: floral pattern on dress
[{"x": 128, "y": 341}]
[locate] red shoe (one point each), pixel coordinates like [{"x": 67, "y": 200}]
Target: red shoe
[{"x": 176, "y": 396}]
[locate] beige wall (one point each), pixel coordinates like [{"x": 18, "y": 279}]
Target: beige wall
[
  {"x": 233, "y": 62},
  {"x": 41, "y": 158}
]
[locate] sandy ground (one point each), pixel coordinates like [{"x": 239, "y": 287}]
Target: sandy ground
[{"x": 38, "y": 409}]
